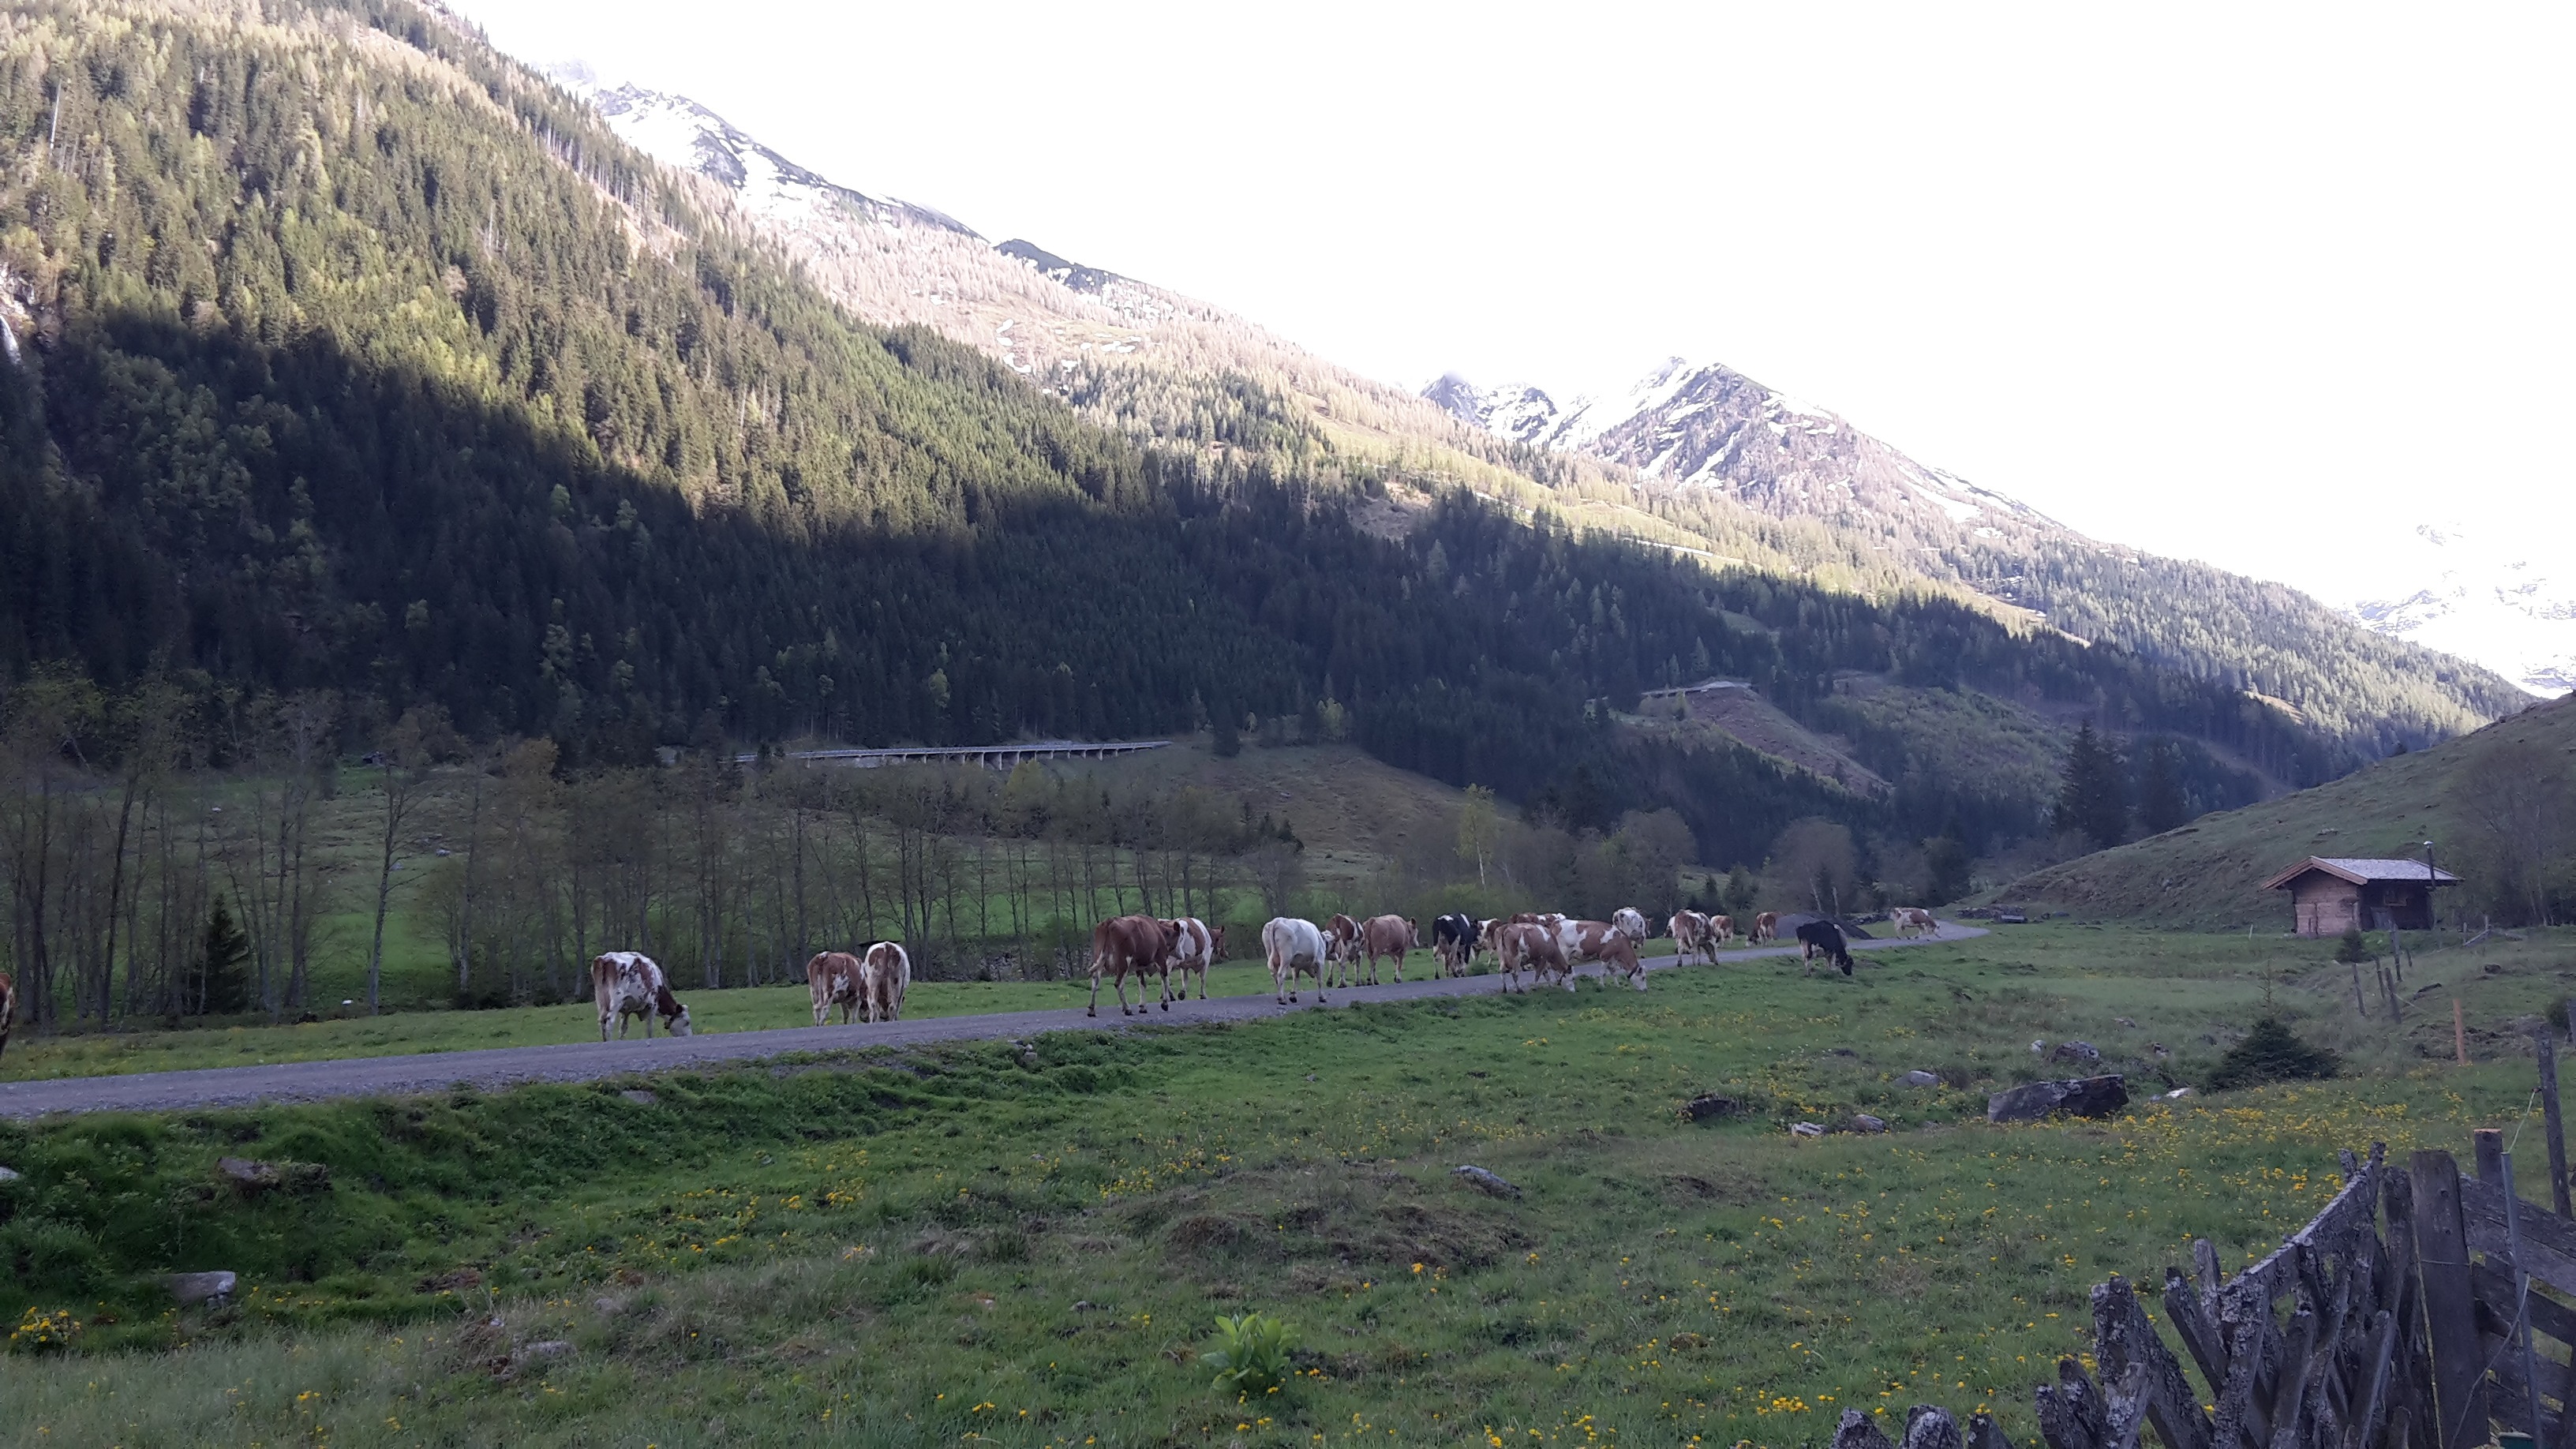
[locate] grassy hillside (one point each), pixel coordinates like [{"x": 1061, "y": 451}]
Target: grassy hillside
[
  {"x": 1026, "y": 1247},
  {"x": 2210, "y": 873}
]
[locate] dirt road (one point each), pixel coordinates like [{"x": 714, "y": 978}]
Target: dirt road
[{"x": 586, "y": 1060}]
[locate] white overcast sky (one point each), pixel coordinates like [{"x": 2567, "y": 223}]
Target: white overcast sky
[{"x": 2264, "y": 285}]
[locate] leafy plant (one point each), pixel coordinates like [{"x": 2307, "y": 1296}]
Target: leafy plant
[
  {"x": 2271, "y": 1052},
  {"x": 2353, "y": 948},
  {"x": 1250, "y": 1354}
]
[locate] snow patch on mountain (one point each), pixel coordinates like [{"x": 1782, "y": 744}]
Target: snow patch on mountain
[{"x": 2483, "y": 601}]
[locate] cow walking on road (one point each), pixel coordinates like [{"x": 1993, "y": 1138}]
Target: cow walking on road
[
  {"x": 1721, "y": 929},
  {"x": 1342, "y": 948},
  {"x": 1129, "y": 946},
  {"x": 1691, "y": 938},
  {"x": 837, "y": 978},
  {"x": 629, "y": 983},
  {"x": 1909, "y": 919},
  {"x": 1293, "y": 948},
  {"x": 1766, "y": 926},
  {"x": 887, "y": 971},
  {"x": 1386, "y": 936},
  {"x": 1603, "y": 942},
  {"x": 1195, "y": 947},
  {"x": 1453, "y": 940},
  {"x": 1531, "y": 947}
]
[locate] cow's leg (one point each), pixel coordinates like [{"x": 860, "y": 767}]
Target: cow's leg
[
  {"x": 603, "y": 1026},
  {"x": 1094, "y": 1008},
  {"x": 1118, "y": 983}
]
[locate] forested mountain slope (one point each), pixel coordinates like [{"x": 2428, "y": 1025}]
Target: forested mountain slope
[
  {"x": 2499, "y": 806},
  {"x": 1700, "y": 433},
  {"x": 1695, "y": 457},
  {"x": 347, "y": 354}
]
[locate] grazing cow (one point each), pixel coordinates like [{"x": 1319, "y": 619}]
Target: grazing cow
[
  {"x": 1294, "y": 948},
  {"x": 1453, "y": 940},
  {"x": 888, "y": 974},
  {"x": 1690, "y": 937},
  {"x": 8, "y": 1008},
  {"x": 1195, "y": 947},
  {"x": 1528, "y": 944},
  {"x": 1766, "y": 926},
  {"x": 1386, "y": 936},
  {"x": 1342, "y": 947},
  {"x": 1721, "y": 929},
  {"x": 1825, "y": 936},
  {"x": 1129, "y": 946},
  {"x": 837, "y": 978},
  {"x": 1909, "y": 919},
  {"x": 1631, "y": 923},
  {"x": 628, "y": 983},
  {"x": 1600, "y": 941}
]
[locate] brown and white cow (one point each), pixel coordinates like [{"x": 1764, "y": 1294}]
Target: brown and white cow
[
  {"x": 1529, "y": 946},
  {"x": 1909, "y": 919},
  {"x": 1766, "y": 926},
  {"x": 1129, "y": 946},
  {"x": 1721, "y": 929},
  {"x": 1603, "y": 942},
  {"x": 1195, "y": 947},
  {"x": 1453, "y": 940},
  {"x": 1294, "y": 948},
  {"x": 629, "y": 983},
  {"x": 837, "y": 978},
  {"x": 1631, "y": 922},
  {"x": 1690, "y": 937},
  {"x": 8, "y": 1008},
  {"x": 1342, "y": 946},
  {"x": 1385, "y": 936},
  {"x": 886, "y": 970}
]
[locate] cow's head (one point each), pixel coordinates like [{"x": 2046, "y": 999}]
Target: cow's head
[{"x": 675, "y": 1017}]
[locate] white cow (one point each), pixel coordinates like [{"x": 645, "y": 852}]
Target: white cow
[
  {"x": 1631, "y": 923},
  {"x": 1908, "y": 919},
  {"x": 1295, "y": 948},
  {"x": 1692, "y": 937},
  {"x": 1195, "y": 947},
  {"x": 629, "y": 983}
]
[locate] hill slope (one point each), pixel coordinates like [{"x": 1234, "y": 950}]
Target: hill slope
[{"x": 2474, "y": 797}]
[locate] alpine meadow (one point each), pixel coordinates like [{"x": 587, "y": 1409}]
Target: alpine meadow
[{"x": 491, "y": 562}]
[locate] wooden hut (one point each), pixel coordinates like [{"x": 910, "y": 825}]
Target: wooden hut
[{"x": 2331, "y": 894}]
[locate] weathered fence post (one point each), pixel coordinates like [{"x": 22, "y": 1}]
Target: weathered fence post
[
  {"x": 2460, "y": 1031},
  {"x": 2545, "y": 1045},
  {"x": 2450, "y": 1312},
  {"x": 2490, "y": 1150}
]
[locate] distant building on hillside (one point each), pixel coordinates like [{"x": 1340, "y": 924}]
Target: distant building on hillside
[{"x": 2331, "y": 894}]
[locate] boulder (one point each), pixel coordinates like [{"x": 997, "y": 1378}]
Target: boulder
[
  {"x": 547, "y": 1348},
  {"x": 1806, "y": 1129},
  {"x": 639, "y": 1097},
  {"x": 2081, "y": 1097},
  {"x": 2080, "y": 1052},
  {"x": 1920, "y": 1078},
  {"x": 1485, "y": 1182},
  {"x": 253, "y": 1178},
  {"x": 8, "y": 1174},
  {"x": 1863, "y": 1122},
  {"x": 192, "y": 1289},
  {"x": 1710, "y": 1104}
]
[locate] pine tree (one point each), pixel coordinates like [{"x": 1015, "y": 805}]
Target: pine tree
[
  {"x": 2091, "y": 801},
  {"x": 2161, "y": 805},
  {"x": 223, "y": 970}
]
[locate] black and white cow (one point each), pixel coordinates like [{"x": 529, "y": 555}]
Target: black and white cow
[{"x": 1454, "y": 938}]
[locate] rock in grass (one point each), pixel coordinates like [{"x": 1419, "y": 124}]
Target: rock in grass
[
  {"x": 1858, "y": 1432},
  {"x": 1710, "y": 1104},
  {"x": 2081, "y": 1052},
  {"x": 192, "y": 1289},
  {"x": 1920, "y": 1078},
  {"x": 547, "y": 1348},
  {"x": 1863, "y": 1122},
  {"x": 2082, "y": 1097},
  {"x": 1806, "y": 1129},
  {"x": 639, "y": 1097},
  {"x": 1485, "y": 1182},
  {"x": 8, "y": 1174}
]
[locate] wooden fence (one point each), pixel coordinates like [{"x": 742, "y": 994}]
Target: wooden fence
[{"x": 2423, "y": 1308}]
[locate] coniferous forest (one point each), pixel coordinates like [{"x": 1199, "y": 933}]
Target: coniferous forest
[{"x": 348, "y": 360}]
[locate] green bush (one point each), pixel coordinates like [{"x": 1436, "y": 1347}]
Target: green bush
[
  {"x": 1250, "y": 1354},
  {"x": 2354, "y": 948},
  {"x": 2271, "y": 1052}
]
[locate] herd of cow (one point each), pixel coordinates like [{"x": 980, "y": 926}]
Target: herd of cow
[{"x": 869, "y": 984}]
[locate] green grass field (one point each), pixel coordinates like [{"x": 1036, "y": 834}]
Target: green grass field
[{"x": 964, "y": 1244}]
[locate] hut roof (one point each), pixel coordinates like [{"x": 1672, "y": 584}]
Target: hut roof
[{"x": 2361, "y": 870}]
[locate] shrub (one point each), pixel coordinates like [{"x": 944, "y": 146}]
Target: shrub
[
  {"x": 2352, "y": 950},
  {"x": 1250, "y": 1354},
  {"x": 2272, "y": 1053}
]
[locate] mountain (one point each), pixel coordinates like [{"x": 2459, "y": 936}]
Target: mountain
[
  {"x": 2480, "y": 598},
  {"x": 1703, "y": 434}
]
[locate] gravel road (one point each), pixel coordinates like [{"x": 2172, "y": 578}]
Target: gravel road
[{"x": 586, "y": 1060}]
